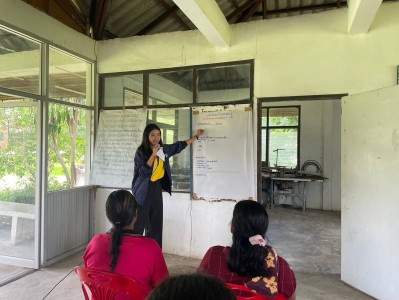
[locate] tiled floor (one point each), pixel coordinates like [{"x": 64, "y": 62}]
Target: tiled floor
[{"x": 309, "y": 241}]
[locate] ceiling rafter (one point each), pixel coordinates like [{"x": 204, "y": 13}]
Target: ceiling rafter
[
  {"x": 239, "y": 10},
  {"x": 235, "y": 3},
  {"x": 73, "y": 12},
  {"x": 250, "y": 12},
  {"x": 264, "y": 9},
  {"x": 180, "y": 20},
  {"x": 99, "y": 11},
  {"x": 303, "y": 8},
  {"x": 172, "y": 10}
]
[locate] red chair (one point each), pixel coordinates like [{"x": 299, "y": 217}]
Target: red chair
[
  {"x": 104, "y": 285},
  {"x": 244, "y": 293}
]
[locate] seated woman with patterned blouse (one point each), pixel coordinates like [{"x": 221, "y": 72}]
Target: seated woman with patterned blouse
[{"x": 249, "y": 261}]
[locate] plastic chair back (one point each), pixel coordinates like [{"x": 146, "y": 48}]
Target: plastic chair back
[
  {"x": 244, "y": 293},
  {"x": 105, "y": 285}
]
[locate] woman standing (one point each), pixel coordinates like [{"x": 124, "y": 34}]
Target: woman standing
[{"x": 152, "y": 175}]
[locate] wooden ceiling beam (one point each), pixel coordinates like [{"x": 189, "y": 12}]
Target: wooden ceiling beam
[
  {"x": 110, "y": 34},
  {"x": 172, "y": 10},
  {"x": 180, "y": 20},
  {"x": 73, "y": 12},
  {"x": 298, "y": 9},
  {"x": 251, "y": 11},
  {"x": 264, "y": 9},
  {"x": 99, "y": 11},
  {"x": 239, "y": 10}
]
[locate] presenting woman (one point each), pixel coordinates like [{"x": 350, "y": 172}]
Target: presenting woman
[{"x": 152, "y": 175}]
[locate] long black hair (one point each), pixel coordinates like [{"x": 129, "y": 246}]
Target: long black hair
[
  {"x": 145, "y": 147},
  {"x": 121, "y": 209},
  {"x": 192, "y": 286},
  {"x": 249, "y": 219}
]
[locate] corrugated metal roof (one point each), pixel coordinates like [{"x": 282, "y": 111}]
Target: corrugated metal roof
[{"x": 124, "y": 18}]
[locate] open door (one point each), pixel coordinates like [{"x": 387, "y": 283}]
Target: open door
[
  {"x": 370, "y": 192},
  {"x": 19, "y": 181}
]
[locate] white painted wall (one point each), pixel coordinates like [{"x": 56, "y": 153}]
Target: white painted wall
[
  {"x": 301, "y": 55},
  {"x": 370, "y": 164},
  {"x": 190, "y": 228},
  {"x": 320, "y": 141}
]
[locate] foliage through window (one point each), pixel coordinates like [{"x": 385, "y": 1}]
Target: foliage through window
[
  {"x": 280, "y": 136},
  {"x": 68, "y": 144}
]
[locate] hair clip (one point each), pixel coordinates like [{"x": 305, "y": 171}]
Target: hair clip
[{"x": 257, "y": 240}]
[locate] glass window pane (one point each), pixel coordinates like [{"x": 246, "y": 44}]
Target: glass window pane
[
  {"x": 263, "y": 145},
  {"x": 18, "y": 165},
  {"x": 171, "y": 88},
  {"x": 19, "y": 62},
  {"x": 283, "y": 145},
  {"x": 173, "y": 131},
  {"x": 69, "y": 131},
  {"x": 164, "y": 116},
  {"x": 69, "y": 78},
  {"x": 283, "y": 116},
  {"x": 264, "y": 117},
  {"x": 126, "y": 90},
  {"x": 224, "y": 84}
]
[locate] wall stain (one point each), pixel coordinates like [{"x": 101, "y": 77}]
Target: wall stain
[{"x": 395, "y": 140}]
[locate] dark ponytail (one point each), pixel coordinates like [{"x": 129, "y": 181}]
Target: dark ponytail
[
  {"x": 121, "y": 209},
  {"x": 249, "y": 219}
]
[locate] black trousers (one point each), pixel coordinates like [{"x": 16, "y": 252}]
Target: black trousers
[{"x": 150, "y": 214}]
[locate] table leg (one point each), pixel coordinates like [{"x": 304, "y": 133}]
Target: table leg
[
  {"x": 271, "y": 193},
  {"x": 304, "y": 196}
]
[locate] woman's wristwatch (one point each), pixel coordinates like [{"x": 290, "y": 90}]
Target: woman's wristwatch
[{"x": 196, "y": 136}]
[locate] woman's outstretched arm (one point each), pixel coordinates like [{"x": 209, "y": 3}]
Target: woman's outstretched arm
[{"x": 195, "y": 137}]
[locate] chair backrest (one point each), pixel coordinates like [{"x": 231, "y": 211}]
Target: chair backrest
[
  {"x": 244, "y": 293},
  {"x": 105, "y": 285}
]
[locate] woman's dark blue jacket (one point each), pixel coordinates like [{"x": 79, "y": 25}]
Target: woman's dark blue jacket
[{"x": 143, "y": 172}]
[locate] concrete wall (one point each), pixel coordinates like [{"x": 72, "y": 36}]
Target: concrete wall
[
  {"x": 302, "y": 55},
  {"x": 190, "y": 227},
  {"x": 370, "y": 163}
]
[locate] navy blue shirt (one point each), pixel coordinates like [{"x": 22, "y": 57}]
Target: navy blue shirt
[{"x": 143, "y": 172}]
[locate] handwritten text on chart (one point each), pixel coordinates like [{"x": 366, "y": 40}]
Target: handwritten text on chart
[
  {"x": 119, "y": 135},
  {"x": 207, "y": 138},
  {"x": 203, "y": 164}
]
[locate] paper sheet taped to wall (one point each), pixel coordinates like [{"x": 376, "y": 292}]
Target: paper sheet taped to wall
[
  {"x": 118, "y": 137},
  {"x": 223, "y": 156}
]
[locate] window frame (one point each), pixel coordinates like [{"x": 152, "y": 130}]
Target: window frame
[
  {"x": 43, "y": 101},
  {"x": 269, "y": 127},
  {"x": 194, "y": 103}
]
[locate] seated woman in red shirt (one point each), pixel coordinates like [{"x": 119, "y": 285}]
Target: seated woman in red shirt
[
  {"x": 249, "y": 261},
  {"x": 123, "y": 251}
]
